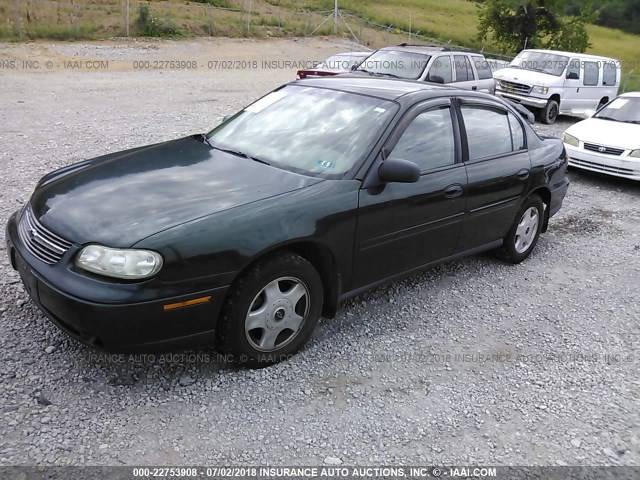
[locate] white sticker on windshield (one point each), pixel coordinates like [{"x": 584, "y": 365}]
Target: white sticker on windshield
[
  {"x": 618, "y": 103},
  {"x": 266, "y": 101},
  {"x": 380, "y": 110}
]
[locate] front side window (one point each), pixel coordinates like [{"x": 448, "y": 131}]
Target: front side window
[
  {"x": 441, "y": 67},
  {"x": 308, "y": 130},
  {"x": 464, "y": 73},
  {"x": 573, "y": 70},
  {"x": 488, "y": 131},
  {"x": 428, "y": 141},
  {"x": 591, "y": 72}
]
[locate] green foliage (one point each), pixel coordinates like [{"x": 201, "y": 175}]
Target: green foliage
[
  {"x": 151, "y": 26},
  {"x": 516, "y": 24}
]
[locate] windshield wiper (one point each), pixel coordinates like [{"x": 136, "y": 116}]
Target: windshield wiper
[
  {"x": 205, "y": 139},
  {"x": 238, "y": 153},
  {"x": 387, "y": 74},
  {"x": 635, "y": 122},
  {"x": 604, "y": 117}
]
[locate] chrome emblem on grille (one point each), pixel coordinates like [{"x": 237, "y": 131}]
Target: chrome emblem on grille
[{"x": 602, "y": 149}]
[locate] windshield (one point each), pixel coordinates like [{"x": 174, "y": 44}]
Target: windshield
[
  {"x": 398, "y": 64},
  {"x": 622, "y": 109},
  {"x": 541, "y": 62},
  {"x": 305, "y": 129},
  {"x": 340, "y": 62}
]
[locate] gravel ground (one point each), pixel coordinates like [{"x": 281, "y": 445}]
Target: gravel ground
[{"x": 472, "y": 362}]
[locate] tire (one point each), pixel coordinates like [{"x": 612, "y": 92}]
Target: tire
[
  {"x": 271, "y": 311},
  {"x": 549, "y": 113},
  {"x": 525, "y": 231}
]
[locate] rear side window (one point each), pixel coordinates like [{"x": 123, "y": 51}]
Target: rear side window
[
  {"x": 464, "y": 72},
  {"x": 482, "y": 67},
  {"x": 609, "y": 74},
  {"x": 488, "y": 131},
  {"x": 591, "y": 72},
  {"x": 441, "y": 68},
  {"x": 517, "y": 134},
  {"x": 428, "y": 140}
]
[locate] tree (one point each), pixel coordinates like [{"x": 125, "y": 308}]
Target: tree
[{"x": 519, "y": 24}]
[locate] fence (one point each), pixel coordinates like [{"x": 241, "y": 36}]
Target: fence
[{"x": 66, "y": 19}]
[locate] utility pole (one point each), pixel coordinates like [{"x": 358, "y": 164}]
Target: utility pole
[
  {"x": 126, "y": 19},
  {"x": 335, "y": 17}
]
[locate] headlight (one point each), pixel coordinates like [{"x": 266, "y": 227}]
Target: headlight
[
  {"x": 635, "y": 154},
  {"x": 119, "y": 263},
  {"x": 570, "y": 140},
  {"x": 540, "y": 90}
]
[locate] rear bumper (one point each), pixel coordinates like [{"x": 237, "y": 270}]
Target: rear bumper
[
  {"x": 621, "y": 166},
  {"x": 123, "y": 327},
  {"x": 557, "y": 196}
]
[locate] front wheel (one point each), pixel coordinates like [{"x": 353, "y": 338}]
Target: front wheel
[
  {"x": 549, "y": 113},
  {"x": 525, "y": 231},
  {"x": 271, "y": 311}
]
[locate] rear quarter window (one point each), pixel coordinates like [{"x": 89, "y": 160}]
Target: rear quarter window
[{"x": 482, "y": 67}]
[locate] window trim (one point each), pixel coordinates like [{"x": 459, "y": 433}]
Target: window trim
[{"x": 411, "y": 115}]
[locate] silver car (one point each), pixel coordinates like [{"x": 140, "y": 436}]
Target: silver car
[{"x": 465, "y": 69}]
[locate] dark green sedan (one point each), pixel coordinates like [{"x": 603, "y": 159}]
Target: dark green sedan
[{"x": 243, "y": 237}]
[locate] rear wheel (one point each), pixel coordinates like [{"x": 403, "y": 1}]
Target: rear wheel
[
  {"x": 549, "y": 113},
  {"x": 272, "y": 311},
  {"x": 525, "y": 231}
]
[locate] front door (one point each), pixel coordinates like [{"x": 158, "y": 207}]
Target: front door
[{"x": 402, "y": 226}]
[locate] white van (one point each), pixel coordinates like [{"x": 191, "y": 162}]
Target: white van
[{"x": 552, "y": 82}]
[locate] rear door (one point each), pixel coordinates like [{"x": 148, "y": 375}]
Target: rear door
[
  {"x": 483, "y": 74},
  {"x": 464, "y": 76},
  {"x": 402, "y": 226},
  {"x": 498, "y": 169}
]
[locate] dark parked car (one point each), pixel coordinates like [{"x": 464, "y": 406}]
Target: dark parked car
[{"x": 245, "y": 236}]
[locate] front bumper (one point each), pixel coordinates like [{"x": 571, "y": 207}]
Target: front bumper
[
  {"x": 522, "y": 99},
  {"x": 619, "y": 166},
  {"x": 123, "y": 326}
]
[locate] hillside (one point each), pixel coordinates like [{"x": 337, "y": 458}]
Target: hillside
[{"x": 372, "y": 22}]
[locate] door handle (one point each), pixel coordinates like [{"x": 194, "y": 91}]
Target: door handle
[
  {"x": 523, "y": 174},
  {"x": 453, "y": 191}
]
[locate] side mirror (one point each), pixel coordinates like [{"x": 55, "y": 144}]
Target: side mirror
[
  {"x": 435, "y": 79},
  {"x": 401, "y": 171},
  {"x": 572, "y": 76}
]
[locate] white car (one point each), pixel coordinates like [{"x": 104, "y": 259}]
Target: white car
[{"x": 609, "y": 141}]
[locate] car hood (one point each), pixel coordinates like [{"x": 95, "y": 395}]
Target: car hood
[
  {"x": 119, "y": 199},
  {"x": 527, "y": 77},
  {"x": 607, "y": 133}
]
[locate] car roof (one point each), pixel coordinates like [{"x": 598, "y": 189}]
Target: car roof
[
  {"x": 631, "y": 94},
  {"x": 351, "y": 54},
  {"x": 381, "y": 87},
  {"x": 430, "y": 49},
  {"x": 569, "y": 54}
]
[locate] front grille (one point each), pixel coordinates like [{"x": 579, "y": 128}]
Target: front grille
[
  {"x": 41, "y": 242},
  {"x": 513, "y": 87},
  {"x": 602, "y": 149},
  {"x": 603, "y": 168}
]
